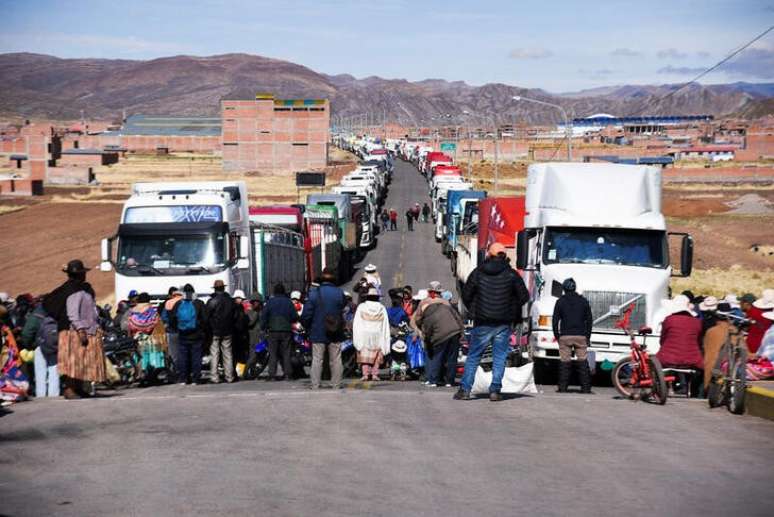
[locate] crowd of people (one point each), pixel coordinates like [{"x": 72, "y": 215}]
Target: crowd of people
[
  {"x": 389, "y": 218},
  {"x": 57, "y": 340}
]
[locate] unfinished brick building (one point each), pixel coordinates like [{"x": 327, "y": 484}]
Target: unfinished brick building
[{"x": 274, "y": 136}]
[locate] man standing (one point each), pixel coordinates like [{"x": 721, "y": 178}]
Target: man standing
[
  {"x": 277, "y": 319},
  {"x": 385, "y": 217},
  {"x": 410, "y": 219},
  {"x": 323, "y": 319},
  {"x": 494, "y": 295},
  {"x": 188, "y": 319},
  {"x": 441, "y": 327},
  {"x": 572, "y": 321},
  {"x": 393, "y": 219},
  {"x": 221, "y": 317},
  {"x": 425, "y": 213}
]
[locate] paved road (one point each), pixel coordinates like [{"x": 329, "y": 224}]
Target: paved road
[{"x": 256, "y": 448}]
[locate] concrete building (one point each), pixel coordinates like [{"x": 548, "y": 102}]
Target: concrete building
[
  {"x": 271, "y": 136},
  {"x": 151, "y": 134}
]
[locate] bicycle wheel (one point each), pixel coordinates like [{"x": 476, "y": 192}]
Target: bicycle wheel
[
  {"x": 738, "y": 381},
  {"x": 659, "y": 391},
  {"x": 716, "y": 392},
  {"x": 622, "y": 377}
]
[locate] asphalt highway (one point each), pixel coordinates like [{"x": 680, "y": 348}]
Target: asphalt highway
[{"x": 280, "y": 449}]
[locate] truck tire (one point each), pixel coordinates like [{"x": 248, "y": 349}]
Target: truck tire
[{"x": 545, "y": 371}]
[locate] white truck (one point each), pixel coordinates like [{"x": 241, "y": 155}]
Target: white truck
[
  {"x": 602, "y": 225},
  {"x": 172, "y": 234}
]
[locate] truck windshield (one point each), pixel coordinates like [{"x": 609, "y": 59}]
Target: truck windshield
[
  {"x": 626, "y": 247},
  {"x": 143, "y": 255}
]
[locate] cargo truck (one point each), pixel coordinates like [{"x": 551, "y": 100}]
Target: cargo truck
[
  {"x": 172, "y": 234},
  {"x": 279, "y": 249},
  {"x": 323, "y": 244},
  {"x": 602, "y": 225},
  {"x": 454, "y": 215},
  {"x": 349, "y": 228}
]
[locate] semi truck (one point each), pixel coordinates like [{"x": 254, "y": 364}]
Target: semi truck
[
  {"x": 454, "y": 216},
  {"x": 602, "y": 225},
  {"x": 349, "y": 228},
  {"x": 323, "y": 242},
  {"x": 172, "y": 234},
  {"x": 279, "y": 249},
  {"x": 499, "y": 220}
]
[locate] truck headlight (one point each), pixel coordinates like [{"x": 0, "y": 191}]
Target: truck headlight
[{"x": 544, "y": 320}]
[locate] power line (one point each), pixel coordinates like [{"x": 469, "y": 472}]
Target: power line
[{"x": 713, "y": 67}]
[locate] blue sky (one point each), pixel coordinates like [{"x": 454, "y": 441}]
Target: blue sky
[{"x": 558, "y": 45}]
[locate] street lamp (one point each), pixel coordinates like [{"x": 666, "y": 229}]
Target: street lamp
[{"x": 567, "y": 128}]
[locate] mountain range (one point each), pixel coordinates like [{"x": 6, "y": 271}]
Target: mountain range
[{"x": 36, "y": 85}]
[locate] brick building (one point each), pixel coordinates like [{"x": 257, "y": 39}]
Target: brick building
[{"x": 273, "y": 136}]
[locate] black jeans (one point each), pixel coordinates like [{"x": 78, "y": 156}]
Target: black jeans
[
  {"x": 443, "y": 363},
  {"x": 280, "y": 343},
  {"x": 393, "y": 225},
  {"x": 410, "y": 223},
  {"x": 189, "y": 358}
]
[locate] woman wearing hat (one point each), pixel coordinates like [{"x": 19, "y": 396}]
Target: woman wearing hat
[
  {"x": 371, "y": 335},
  {"x": 680, "y": 337},
  {"x": 72, "y": 305},
  {"x": 143, "y": 325},
  {"x": 372, "y": 278},
  {"x": 754, "y": 310}
]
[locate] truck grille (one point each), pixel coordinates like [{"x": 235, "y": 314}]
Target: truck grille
[{"x": 607, "y": 308}]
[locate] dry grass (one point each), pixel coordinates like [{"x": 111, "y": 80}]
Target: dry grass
[{"x": 719, "y": 282}]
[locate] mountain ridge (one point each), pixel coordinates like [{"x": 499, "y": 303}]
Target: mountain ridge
[{"x": 39, "y": 85}]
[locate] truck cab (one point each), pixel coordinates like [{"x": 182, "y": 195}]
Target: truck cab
[
  {"x": 171, "y": 234},
  {"x": 456, "y": 201},
  {"x": 602, "y": 225}
]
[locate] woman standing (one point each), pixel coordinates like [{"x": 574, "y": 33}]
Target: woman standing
[
  {"x": 80, "y": 356},
  {"x": 371, "y": 335}
]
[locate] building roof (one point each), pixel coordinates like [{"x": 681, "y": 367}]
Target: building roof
[
  {"x": 89, "y": 151},
  {"x": 152, "y": 125},
  {"x": 710, "y": 149},
  {"x": 603, "y": 120}
]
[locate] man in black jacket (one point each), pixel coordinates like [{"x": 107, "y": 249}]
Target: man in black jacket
[
  {"x": 187, "y": 320},
  {"x": 494, "y": 294},
  {"x": 221, "y": 320},
  {"x": 277, "y": 319},
  {"x": 572, "y": 322}
]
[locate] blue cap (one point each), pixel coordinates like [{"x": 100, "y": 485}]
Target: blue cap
[{"x": 133, "y": 293}]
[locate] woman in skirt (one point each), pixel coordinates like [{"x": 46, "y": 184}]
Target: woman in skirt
[
  {"x": 371, "y": 334},
  {"x": 81, "y": 357}
]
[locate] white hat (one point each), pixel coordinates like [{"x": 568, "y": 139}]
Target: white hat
[
  {"x": 6, "y": 298},
  {"x": 370, "y": 268},
  {"x": 710, "y": 303},
  {"x": 766, "y": 301},
  {"x": 681, "y": 303},
  {"x": 732, "y": 300},
  {"x": 372, "y": 291},
  {"x": 769, "y": 315},
  {"x": 400, "y": 346},
  {"x": 435, "y": 286},
  {"x": 421, "y": 295},
  {"x": 295, "y": 295},
  {"x": 347, "y": 294},
  {"x": 239, "y": 294}
]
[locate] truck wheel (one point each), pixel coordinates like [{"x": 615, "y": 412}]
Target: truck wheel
[{"x": 453, "y": 263}]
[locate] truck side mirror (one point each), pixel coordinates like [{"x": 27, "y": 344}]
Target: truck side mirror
[
  {"x": 106, "y": 252},
  {"x": 522, "y": 250},
  {"x": 686, "y": 254}
]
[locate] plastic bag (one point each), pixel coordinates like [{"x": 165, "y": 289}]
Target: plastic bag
[
  {"x": 515, "y": 380},
  {"x": 416, "y": 353}
]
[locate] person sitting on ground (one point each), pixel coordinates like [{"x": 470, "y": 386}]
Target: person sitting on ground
[
  {"x": 371, "y": 335},
  {"x": 681, "y": 338},
  {"x": 395, "y": 313},
  {"x": 754, "y": 310}
]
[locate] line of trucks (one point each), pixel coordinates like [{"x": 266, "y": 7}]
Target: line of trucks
[
  {"x": 600, "y": 224},
  {"x": 172, "y": 234}
]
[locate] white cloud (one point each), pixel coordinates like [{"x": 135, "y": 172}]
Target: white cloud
[
  {"x": 625, "y": 52},
  {"x": 530, "y": 53},
  {"x": 671, "y": 53},
  {"x": 753, "y": 62},
  {"x": 681, "y": 70}
]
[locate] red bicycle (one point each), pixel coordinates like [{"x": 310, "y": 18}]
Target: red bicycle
[{"x": 639, "y": 376}]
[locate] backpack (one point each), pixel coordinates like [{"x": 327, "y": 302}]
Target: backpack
[
  {"x": 47, "y": 337},
  {"x": 186, "y": 316}
]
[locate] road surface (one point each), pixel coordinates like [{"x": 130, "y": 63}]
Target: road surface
[{"x": 256, "y": 448}]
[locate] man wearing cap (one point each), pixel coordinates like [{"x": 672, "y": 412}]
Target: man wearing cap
[
  {"x": 80, "y": 354},
  {"x": 323, "y": 320},
  {"x": 221, "y": 320},
  {"x": 572, "y": 322},
  {"x": 494, "y": 295},
  {"x": 440, "y": 326},
  {"x": 277, "y": 320}
]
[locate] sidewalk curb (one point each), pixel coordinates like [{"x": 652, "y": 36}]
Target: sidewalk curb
[{"x": 759, "y": 402}]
